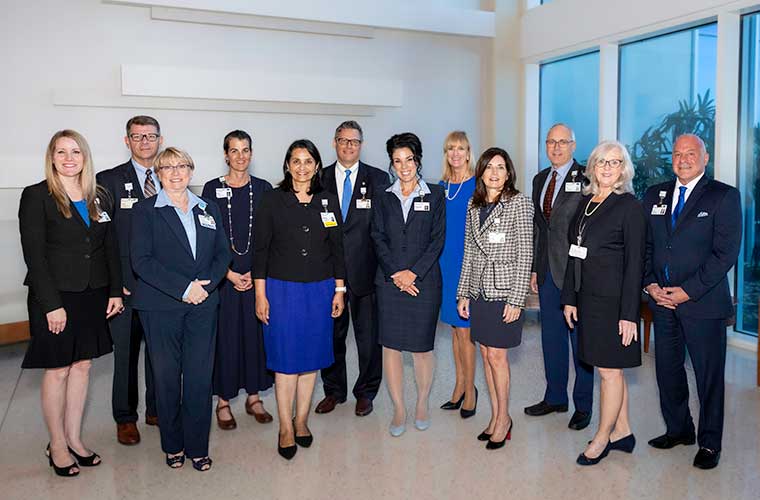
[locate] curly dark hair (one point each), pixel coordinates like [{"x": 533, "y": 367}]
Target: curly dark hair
[{"x": 404, "y": 140}]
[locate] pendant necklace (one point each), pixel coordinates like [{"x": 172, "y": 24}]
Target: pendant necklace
[{"x": 229, "y": 215}]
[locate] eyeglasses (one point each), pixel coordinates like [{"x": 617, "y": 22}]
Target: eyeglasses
[
  {"x": 175, "y": 168},
  {"x": 140, "y": 137},
  {"x": 563, "y": 143},
  {"x": 342, "y": 141},
  {"x": 614, "y": 163}
]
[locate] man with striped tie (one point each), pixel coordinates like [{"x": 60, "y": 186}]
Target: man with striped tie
[
  {"x": 354, "y": 182},
  {"x": 693, "y": 241},
  {"x": 128, "y": 183}
]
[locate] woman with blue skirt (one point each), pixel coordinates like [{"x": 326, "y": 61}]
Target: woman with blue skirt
[{"x": 299, "y": 274}]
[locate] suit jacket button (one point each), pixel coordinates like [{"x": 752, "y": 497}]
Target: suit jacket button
[
  {"x": 86, "y": 256},
  {"x": 87, "y": 239},
  {"x": 305, "y": 228},
  {"x": 304, "y": 252}
]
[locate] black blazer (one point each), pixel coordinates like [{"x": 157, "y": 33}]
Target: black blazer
[
  {"x": 64, "y": 254},
  {"x": 113, "y": 180},
  {"x": 163, "y": 260},
  {"x": 614, "y": 236},
  {"x": 292, "y": 244},
  {"x": 361, "y": 262},
  {"x": 414, "y": 245},
  {"x": 550, "y": 244},
  {"x": 700, "y": 250}
]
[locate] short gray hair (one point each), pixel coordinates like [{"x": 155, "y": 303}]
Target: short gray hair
[
  {"x": 560, "y": 124},
  {"x": 624, "y": 183}
]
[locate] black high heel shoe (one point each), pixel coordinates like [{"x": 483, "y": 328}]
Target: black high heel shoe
[
  {"x": 484, "y": 436},
  {"x": 626, "y": 444},
  {"x": 89, "y": 461},
  {"x": 584, "y": 460},
  {"x": 495, "y": 445},
  {"x": 451, "y": 405},
  {"x": 61, "y": 471},
  {"x": 469, "y": 413}
]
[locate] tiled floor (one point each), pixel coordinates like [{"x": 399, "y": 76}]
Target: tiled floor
[{"x": 356, "y": 458}]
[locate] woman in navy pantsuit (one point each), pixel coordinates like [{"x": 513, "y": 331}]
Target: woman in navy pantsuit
[
  {"x": 180, "y": 254},
  {"x": 408, "y": 229}
]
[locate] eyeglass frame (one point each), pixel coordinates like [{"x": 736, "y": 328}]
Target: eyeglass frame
[
  {"x": 602, "y": 163},
  {"x": 182, "y": 167},
  {"x": 562, "y": 143},
  {"x": 344, "y": 141},
  {"x": 147, "y": 137}
]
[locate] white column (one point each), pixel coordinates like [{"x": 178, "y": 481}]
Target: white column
[
  {"x": 727, "y": 97},
  {"x": 532, "y": 92},
  {"x": 608, "y": 91}
]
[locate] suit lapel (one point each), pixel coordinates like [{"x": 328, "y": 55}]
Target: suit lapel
[
  {"x": 202, "y": 239},
  {"x": 563, "y": 195},
  {"x": 694, "y": 197},
  {"x": 361, "y": 180},
  {"x": 328, "y": 179},
  {"x": 172, "y": 219},
  {"x": 668, "y": 209},
  {"x": 537, "y": 192},
  {"x": 78, "y": 217}
]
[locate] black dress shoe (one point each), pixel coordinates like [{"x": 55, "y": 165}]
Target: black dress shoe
[
  {"x": 286, "y": 452},
  {"x": 626, "y": 444},
  {"x": 706, "y": 459},
  {"x": 464, "y": 413},
  {"x": 584, "y": 460},
  {"x": 666, "y": 442},
  {"x": 452, "y": 405},
  {"x": 484, "y": 436},
  {"x": 304, "y": 441},
  {"x": 495, "y": 445},
  {"x": 544, "y": 408},
  {"x": 579, "y": 420}
]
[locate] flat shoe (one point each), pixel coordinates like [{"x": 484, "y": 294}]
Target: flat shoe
[
  {"x": 264, "y": 417},
  {"x": 225, "y": 425}
]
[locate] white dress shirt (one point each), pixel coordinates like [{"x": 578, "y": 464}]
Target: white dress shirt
[{"x": 689, "y": 188}]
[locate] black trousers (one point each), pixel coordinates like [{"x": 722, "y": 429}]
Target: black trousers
[
  {"x": 182, "y": 344},
  {"x": 127, "y": 335},
  {"x": 705, "y": 339},
  {"x": 364, "y": 312}
]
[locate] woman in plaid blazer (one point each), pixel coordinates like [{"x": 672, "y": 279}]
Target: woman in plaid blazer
[{"x": 495, "y": 278}]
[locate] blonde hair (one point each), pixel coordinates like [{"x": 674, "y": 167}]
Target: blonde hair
[
  {"x": 172, "y": 153},
  {"x": 91, "y": 192},
  {"x": 456, "y": 137},
  {"x": 624, "y": 183}
]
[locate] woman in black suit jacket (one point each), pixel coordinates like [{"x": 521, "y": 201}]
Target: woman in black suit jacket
[
  {"x": 74, "y": 280},
  {"x": 602, "y": 289},
  {"x": 408, "y": 228}
]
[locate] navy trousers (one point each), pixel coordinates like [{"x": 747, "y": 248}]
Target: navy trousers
[
  {"x": 705, "y": 340},
  {"x": 182, "y": 345},
  {"x": 555, "y": 338}
]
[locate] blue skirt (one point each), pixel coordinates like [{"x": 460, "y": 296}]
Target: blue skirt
[{"x": 299, "y": 336}]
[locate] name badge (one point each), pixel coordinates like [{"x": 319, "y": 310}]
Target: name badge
[
  {"x": 104, "y": 217},
  {"x": 494, "y": 237},
  {"x": 659, "y": 209},
  {"x": 363, "y": 204},
  {"x": 328, "y": 219},
  {"x": 128, "y": 186},
  {"x": 572, "y": 187},
  {"x": 422, "y": 206},
  {"x": 578, "y": 252},
  {"x": 207, "y": 221},
  {"x": 127, "y": 203},
  {"x": 223, "y": 192}
]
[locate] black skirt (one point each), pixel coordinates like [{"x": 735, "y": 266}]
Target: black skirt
[
  {"x": 84, "y": 337},
  {"x": 488, "y": 328},
  {"x": 408, "y": 323},
  {"x": 598, "y": 341}
]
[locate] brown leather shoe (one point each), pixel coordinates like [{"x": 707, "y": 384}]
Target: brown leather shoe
[
  {"x": 328, "y": 404},
  {"x": 225, "y": 425},
  {"x": 127, "y": 434},
  {"x": 262, "y": 417},
  {"x": 151, "y": 419},
  {"x": 363, "y": 407}
]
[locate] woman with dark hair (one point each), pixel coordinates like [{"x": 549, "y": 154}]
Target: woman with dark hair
[
  {"x": 240, "y": 362},
  {"x": 408, "y": 228},
  {"x": 495, "y": 278},
  {"x": 298, "y": 274}
]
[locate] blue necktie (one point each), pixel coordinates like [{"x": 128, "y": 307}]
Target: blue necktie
[
  {"x": 347, "y": 192},
  {"x": 679, "y": 206}
]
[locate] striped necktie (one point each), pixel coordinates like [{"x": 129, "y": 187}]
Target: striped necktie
[{"x": 149, "y": 189}]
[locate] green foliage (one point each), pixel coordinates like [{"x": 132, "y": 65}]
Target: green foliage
[{"x": 651, "y": 154}]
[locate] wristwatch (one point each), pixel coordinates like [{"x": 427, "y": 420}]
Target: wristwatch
[{"x": 341, "y": 289}]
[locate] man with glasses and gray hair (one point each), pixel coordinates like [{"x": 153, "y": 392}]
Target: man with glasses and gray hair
[
  {"x": 556, "y": 194},
  {"x": 354, "y": 182},
  {"x": 128, "y": 183}
]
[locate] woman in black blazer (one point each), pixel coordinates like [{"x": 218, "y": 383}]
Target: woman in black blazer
[
  {"x": 602, "y": 289},
  {"x": 408, "y": 229},
  {"x": 74, "y": 280}
]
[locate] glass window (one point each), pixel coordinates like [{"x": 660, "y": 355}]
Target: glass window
[
  {"x": 667, "y": 88},
  {"x": 748, "y": 175},
  {"x": 570, "y": 95}
]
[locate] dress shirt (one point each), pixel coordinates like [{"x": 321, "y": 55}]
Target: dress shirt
[
  {"x": 340, "y": 178},
  {"x": 141, "y": 175},
  {"x": 689, "y": 188},
  {"x": 406, "y": 202},
  {"x": 561, "y": 174}
]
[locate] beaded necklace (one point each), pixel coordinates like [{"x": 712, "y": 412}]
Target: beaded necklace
[
  {"x": 229, "y": 214},
  {"x": 448, "y": 186}
]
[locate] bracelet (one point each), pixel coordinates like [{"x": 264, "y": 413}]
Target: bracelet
[{"x": 341, "y": 289}]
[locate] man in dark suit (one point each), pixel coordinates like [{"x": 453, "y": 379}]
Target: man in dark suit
[
  {"x": 127, "y": 184},
  {"x": 693, "y": 240},
  {"x": 354, "y": 182},
  {"x": 556, "y": 193}
]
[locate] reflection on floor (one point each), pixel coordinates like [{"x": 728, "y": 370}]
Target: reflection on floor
[{"x": 355, "y": 457}]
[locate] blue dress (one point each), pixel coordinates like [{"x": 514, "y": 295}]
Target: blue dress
[{"x": 453, "y": 248}]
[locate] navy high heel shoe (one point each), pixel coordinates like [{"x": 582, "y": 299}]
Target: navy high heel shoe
[
  {"x": 626, "y": 444},
  {"x": 584, "y": 460}
]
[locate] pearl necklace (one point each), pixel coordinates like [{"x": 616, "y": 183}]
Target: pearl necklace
[
  {"x": 448, "y": 185},
  {"x": 229, "y": 214}
]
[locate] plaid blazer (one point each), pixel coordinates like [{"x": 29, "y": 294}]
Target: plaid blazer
[{"x": 498, "y": 270}]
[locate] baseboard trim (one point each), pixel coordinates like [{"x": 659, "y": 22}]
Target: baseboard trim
[{"x": 11, "y": 333}]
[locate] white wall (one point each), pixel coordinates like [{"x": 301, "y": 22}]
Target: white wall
[{"x": 61, "y": 69}]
